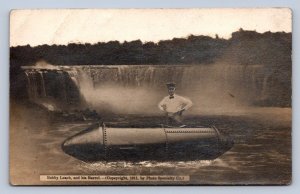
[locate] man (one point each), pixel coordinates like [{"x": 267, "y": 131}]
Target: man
[{"x": 174, "y": 105}]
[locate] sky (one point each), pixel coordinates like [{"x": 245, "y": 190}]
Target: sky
[{"x": 64, "y": 26}]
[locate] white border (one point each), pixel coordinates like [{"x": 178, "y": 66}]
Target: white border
[{"x": 6, "y": 6}]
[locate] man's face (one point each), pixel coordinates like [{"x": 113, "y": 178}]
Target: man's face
[{"x": 171, "y": 91}]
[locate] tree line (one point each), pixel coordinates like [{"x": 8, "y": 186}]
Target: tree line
[{"x": 244, "y": 47}]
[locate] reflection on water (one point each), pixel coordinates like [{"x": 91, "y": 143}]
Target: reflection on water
[{"x": 261, "y": 154}]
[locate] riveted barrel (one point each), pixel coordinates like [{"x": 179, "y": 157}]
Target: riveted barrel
[{"x": 106, "y": 143}]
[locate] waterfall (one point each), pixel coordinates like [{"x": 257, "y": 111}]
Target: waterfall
[
  {"x": 209, "y": 86},
  {"x": 44, "y": 94},
  {"x": 61, "y": 78},
  {"x": 35, "y": 84},
  {"x": 132, "y": 75},
  {"x": 73, "y": 74},
  {"x": 52, "y": 87},
  {"x": 32, "y": 85},
  {"x": 227, "y": 76},
  {"x": 118, "y": 86}
]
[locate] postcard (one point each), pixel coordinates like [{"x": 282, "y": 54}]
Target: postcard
[{"x": 150, "y": 96}]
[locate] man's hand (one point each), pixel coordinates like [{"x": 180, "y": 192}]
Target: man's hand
[
  {"x": 180, "y": 112},
  {"x": 169, "y": 114}
]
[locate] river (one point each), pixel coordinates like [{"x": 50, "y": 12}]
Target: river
[{"x": 261, "y": 153}]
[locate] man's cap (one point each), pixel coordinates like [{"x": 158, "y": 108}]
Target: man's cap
[{"x": 171, "y": 85}]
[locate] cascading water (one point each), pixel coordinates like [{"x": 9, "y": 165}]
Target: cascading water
[
  {"x": 138, "y": 88},
  {"x": 124, "y": 87},
  {"x": 32, "y": 85},
  {"x": 43, "y": 89},
  {"x": 52, "y": 88}
]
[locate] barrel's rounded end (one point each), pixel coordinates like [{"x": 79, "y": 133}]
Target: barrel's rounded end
[{"x": 86, "y": 145}]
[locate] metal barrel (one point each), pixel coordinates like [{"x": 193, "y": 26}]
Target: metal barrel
[{"x": 105, "y": 143}]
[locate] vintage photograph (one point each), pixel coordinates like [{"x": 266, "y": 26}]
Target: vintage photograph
[{"x": 151, "y": 96}]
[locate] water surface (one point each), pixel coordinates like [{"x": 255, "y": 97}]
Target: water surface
[{"x": 261, "y": 153}]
